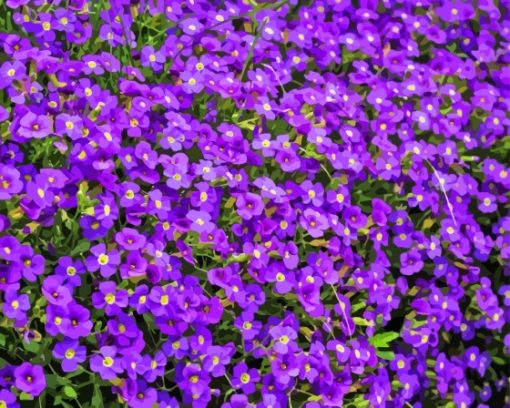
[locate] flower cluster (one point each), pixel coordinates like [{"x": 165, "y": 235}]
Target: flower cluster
[{"x": 255, "y": 203}]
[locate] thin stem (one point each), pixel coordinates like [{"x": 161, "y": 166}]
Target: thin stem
[
  {"x": 252, "y": 47},
  {"x": 276, "y": 76},
  {"x": 343, "y": 311},
  {"x": 439, "y": 180}
]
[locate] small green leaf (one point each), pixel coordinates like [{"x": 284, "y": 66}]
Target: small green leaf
[
  {"x": 361, "y": 322},
  {"x": 80, "y": 248},
  {"x": 383, "y": 339},
  {"x": 230, "y": 202},
  {"x": 70, "y": 392},
  {"x": 237, "y": 258},
  {"x": 32, "y": 347},
  {"x": 26, "y": 397},
  {"x": 498, "y": 360},
  {"x": 97, "y": 398},
  {"x": 385, "y": 355}
]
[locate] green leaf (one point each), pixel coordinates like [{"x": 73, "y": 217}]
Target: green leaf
[
  {"x": 385, "y": 355},
  {"x": 81, "y": 247},
  {"x": 32, "y": 347},
  {"x": 357, "y": 306},
  {"x": 383, "y": 339},
  {"x": 360, "y": 402},
  {"x": 335, "y": 182},
  {"x": 70, "y": 392},
  {"x": 498, "y": 360},
  {"x": 237, "y": 259},
  {"x": 26, "y": 397},
  {"x": 360, "y": 321},
  {"x": 230, "y": 202},
  {"x": 97, "y": 398}
]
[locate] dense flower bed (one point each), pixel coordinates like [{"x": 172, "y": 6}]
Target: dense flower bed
[{"x": 254, "y": 204}]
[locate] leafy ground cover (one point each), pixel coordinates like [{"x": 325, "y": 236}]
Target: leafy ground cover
[{"x": 254, "y": 204}]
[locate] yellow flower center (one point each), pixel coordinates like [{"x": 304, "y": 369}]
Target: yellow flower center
[
  {"x": 109, "y": 298},
  {"x": 102, "y": 259},
  {"x": 108, "y": 361}
]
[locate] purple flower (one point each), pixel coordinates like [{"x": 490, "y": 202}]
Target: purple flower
[
  {"x": 16, "y": 305},
  {"x": 71, "y": 354},
  {"x": 104, "y": 261},
  {"x": 151, "y": 58},
  {"x": 191, "y": 26},
  {"x": 313, "y": 193},
  {"x": 40, "y": 193},
  {"x": 284, "y": 281},
  {"x": 77, "y": 322},
  {"x": 34, "y": 126},
  {"x": 266, "y": 108},
  {"x": 129, "y": 239},
  {"x": 314, "y": 222},
  {"x": 249, "y": 205},
  {"x": 106, "y": 363},
  {"x": 72, "y": 126},
  {"x": 144, "y": 396},
  {"x": 192, "y": 379},
  {"x": 110, "y": 298},
  {"x": 201, "y": 221},
  {"x": 55, "y": 292},
  {"x": 411, "y": 262},
  {"x": 8, "y": 399},
  {"x": 10, "y": 182},
  {"x": 30, "y": 378},
  {"x": 70, "y": 270},
  {"x": 283, "y": 338},
  {"x": 217, "y": 359},
  {"x": 245, "y": 378}
]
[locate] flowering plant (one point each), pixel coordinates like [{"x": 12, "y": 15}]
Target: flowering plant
[{"x": 254, "y": 204}]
